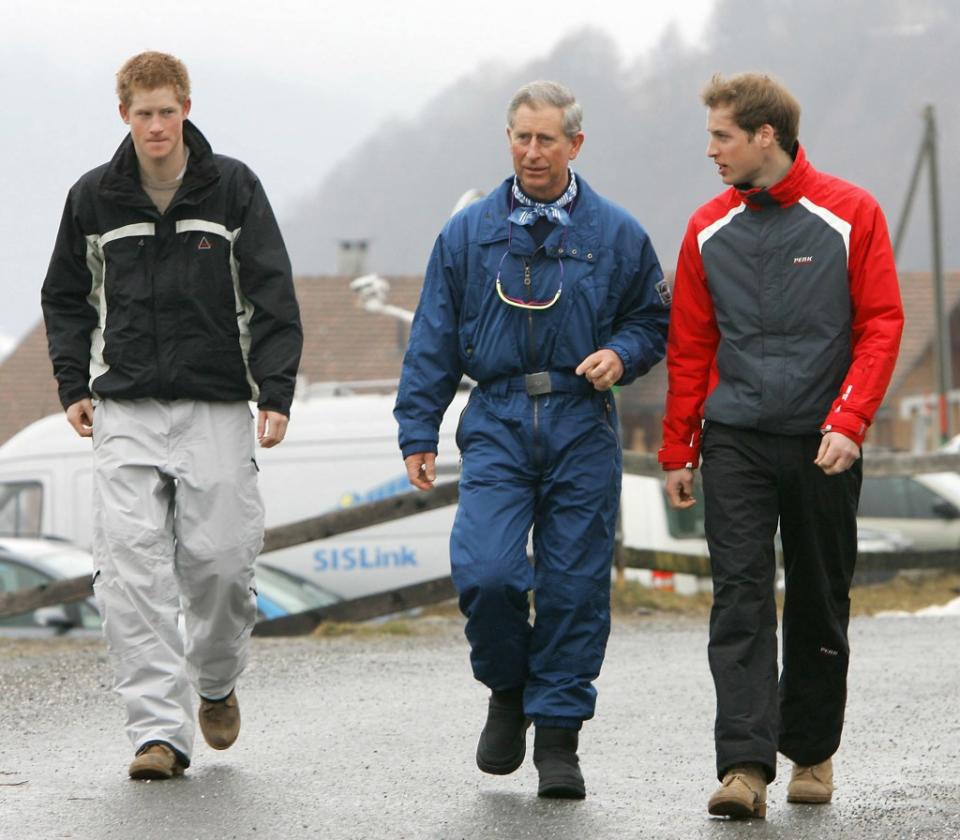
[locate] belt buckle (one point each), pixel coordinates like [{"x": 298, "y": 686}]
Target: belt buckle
[{"x": 537, "y": 383}]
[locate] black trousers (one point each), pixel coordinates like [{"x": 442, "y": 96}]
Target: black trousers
[{"x": 751, "y": 481}]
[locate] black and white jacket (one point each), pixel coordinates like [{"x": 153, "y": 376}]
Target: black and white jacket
[{"x": 196, "y": 303}]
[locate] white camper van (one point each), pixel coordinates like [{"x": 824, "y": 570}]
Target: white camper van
[
  {"x": 339, "y": 451},
  {"x": 648, "y": 521}
]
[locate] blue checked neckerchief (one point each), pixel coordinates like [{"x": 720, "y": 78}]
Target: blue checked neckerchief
[{"x": 529, "y": 210}]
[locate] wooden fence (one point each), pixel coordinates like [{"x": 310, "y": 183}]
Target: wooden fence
[{"x": 432, "y": 591}]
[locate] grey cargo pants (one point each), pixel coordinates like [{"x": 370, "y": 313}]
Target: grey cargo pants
[{"x": 177, "y": 525}]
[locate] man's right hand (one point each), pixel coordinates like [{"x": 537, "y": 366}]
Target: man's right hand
[
  {"x": 680, "y": 488},
  {"x": 80, "y": 416},
  {"x": 421, "y": 469}
]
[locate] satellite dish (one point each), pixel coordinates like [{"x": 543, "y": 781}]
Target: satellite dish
[{"x": 466, "y": 199}]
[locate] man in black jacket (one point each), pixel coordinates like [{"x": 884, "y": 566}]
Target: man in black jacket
[{"x": 169, "y": 301}]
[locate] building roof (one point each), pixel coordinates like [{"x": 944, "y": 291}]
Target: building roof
[
  {"x": 342, "y": 342},
  {"x": 27, "y": 384},
  {"x": 920, "y": 326}
]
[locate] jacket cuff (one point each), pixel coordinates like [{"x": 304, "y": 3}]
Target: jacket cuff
[
  {"x": 847, "y": 424},
  {"x": 70, "y": 395},
  {"x": 416, "y": 435},
  {"x": 678, "y": 457},
  {"x": 418, "y": 446},
  {"x": 274, "y": 404},
  {"x": 628, "y": 372}
]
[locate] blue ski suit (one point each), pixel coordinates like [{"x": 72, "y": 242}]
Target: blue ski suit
[{"x": 537, "y": 451}]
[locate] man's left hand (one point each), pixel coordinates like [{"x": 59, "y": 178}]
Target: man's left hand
[
  {"x": 837, "y": 453},
  {"x": 602, "y": 369},
  {"x": 271, "y": 427}
]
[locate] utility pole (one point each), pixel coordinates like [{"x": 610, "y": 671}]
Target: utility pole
[
  {"x": 945, "y": 359},
  {"x": 928, "y": 155}
]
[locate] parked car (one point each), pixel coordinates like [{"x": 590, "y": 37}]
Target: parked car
[
  {"x": 924, "y": 508},
  {"x": 871, "y": 540},
  {"x": 648, "y": 521},
  {"x": 341, "y": 451},
  {"x": 26, "y": 563},
  {"x": 282, "y": 593}
]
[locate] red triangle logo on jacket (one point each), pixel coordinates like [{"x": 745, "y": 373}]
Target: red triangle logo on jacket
[{"x": 204, "y": 244}]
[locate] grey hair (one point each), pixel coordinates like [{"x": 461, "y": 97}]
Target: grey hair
[{"x": 542, "y": 92}]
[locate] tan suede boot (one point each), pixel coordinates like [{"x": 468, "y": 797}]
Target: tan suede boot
[
  {"x": 742, "y": 795},
  {"x": 155, "y": 761},
  {"x": 220, "y": 721},
  {"x": 811, "y": 785}
]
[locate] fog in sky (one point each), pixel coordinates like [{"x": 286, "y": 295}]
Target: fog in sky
[{"x": 288, "y": 86}]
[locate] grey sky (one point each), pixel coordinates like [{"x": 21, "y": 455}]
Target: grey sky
[{"x": 289, "y": 86}]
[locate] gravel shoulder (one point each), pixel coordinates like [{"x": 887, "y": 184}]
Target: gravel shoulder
[{"x": 372, "y": 735}]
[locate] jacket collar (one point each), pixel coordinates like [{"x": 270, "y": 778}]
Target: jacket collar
[
  {"x": 788, "y": 190},
  {"x": 580, "y": 238},
  {"x": 121, "y": 181}
]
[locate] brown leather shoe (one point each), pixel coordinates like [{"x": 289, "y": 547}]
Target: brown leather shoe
[
  {"x": 155, "y": 761},
  {"x": 811, "y": 785},
  {"x": 220, "y": 721},
  {"x": 742, "y": 795}
]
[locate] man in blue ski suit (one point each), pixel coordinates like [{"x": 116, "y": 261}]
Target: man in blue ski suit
[{"x": 547, "y": 295}]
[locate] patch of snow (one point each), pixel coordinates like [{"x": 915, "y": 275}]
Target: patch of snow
[{"x": 951, "y": 608}]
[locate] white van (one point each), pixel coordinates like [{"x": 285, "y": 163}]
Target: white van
[
  {"x": 648, "y": 521},
  {"x": 339, "y": 451}
]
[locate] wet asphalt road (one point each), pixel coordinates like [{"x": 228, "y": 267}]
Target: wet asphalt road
[{"x": 374, "y": 738}]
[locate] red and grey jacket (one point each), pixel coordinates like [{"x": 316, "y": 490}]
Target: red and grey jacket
[
  {"x": 786, "y": 313},
  {"x": 195, "y": 303}
]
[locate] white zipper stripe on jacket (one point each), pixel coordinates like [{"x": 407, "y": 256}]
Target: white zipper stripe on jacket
[
  {"x": 839, "y": 225},
  {"x": 98, "y": 300},
  {"x": 719, "y": 224},
  {"x": 138, "y": 229},
  {"x": 244, "y": 310},
  {"x": 188, "y": 225}
]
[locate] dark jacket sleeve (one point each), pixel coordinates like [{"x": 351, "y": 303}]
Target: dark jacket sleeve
[
  {"x": 69, "y": 312},
  {"x": 640, "y": 326},
  {"x": 266, "y": 283},
  {"x": 431, "y": 365}
]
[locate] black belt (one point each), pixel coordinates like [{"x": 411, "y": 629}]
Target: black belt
[{"x": 540, "y": 383}]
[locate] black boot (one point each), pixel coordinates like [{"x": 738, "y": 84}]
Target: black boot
[
  {"x": 503, "y": 742},
  {"x": 555, "y": 755}
]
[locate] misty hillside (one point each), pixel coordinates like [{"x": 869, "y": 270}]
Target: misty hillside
[{"x": 862, "y": 70}]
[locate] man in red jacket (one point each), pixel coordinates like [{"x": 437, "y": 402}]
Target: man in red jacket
[{"x": 784, "y": 333}]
